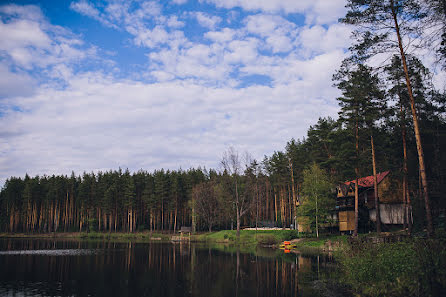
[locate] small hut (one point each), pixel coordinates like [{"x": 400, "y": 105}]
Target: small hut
[{"x": 389, "y": 195}]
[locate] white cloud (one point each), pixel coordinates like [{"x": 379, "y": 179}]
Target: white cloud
[
  {"x": 179, "y": 1},
  {"x": 98, "y": 122},
  {"x": 28, "y": 12},
  {"x": 316, "y": 11},
  {"x": 179, "y": 119},
  {"x": 15, "y": 84},
  {"x": 277, "y": 31},
  {"x": 173, "y": 22},
  {"x": 85, "y": 8},
  {"x": 22, "y": 33},
  {"x": 242, "y": 51},
  {"x": 30, "y": 41},
  {"x": 143, "y": 20},
  {"x": 206, "y": 20},
  {"x": 148, "y": 9},
  {"x": 326, "y": 12},
  {"x": 225, "y": 35},
  {"x": 287, "y": 6},
  {"x": 152, "y": 38},
  {"x": 265, "y": 25},
  {"x": 317, "y": 39}
]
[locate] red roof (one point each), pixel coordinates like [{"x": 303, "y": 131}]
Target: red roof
[{"x": 367, "y": 181}]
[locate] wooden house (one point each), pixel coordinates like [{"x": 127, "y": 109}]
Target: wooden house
[{"x": 390, "y": 199}]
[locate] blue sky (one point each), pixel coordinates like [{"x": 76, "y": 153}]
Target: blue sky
[{"x": 97, "y": 85}]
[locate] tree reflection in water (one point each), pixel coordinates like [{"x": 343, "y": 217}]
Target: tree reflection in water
[{"x": 155, "y": 269}]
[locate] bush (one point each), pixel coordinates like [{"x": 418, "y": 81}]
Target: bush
[
  {"x": 267, "y": 239},
  {"x": 411, "y": 268},
  {"x": 288, "y": 234}
]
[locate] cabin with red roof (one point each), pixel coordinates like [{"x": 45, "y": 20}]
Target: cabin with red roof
[{"x": 390, "y": 199}]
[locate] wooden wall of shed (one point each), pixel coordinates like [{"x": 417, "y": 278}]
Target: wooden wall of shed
[
  {"x": 346, "y": 220},
  {"x": 390, "y": 191}
]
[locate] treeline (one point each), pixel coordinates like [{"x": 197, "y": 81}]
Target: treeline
[{"x": 107, "y": 201}]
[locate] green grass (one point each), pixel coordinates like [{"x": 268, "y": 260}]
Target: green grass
[
  {"x": 139, "y": 236},
  {"x": 248, "y": 237},
  {"x": 322, "y": 242}
]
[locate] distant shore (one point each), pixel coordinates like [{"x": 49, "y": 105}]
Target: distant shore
[{"x": 265, "y": 237}]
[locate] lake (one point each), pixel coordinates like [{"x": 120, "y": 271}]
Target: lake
[{"x": 31, "y": 267}]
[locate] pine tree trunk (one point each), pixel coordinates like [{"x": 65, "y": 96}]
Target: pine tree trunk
[
  {"x": 99, "y": 219},
  {"x": 317, "y": 227},
  {"x": 282, "y": 207},
  {"x": 406, "y": 196},
  {"x": 175, "y": 219},
  {"x": 66, "y": 214},
  {"x": 294, "y": 192},
  {"x": 430, "y": 226},
  {"x": 150, "y": 222},
  {"x": 375, "y": 183},
  {"x": 290, "y": 204},
  {"x": 237, "y": 206},
  {"x": 193, "y": 217},
  {"x": 134, "y": 216},
  {"x": 162, "y": 214},
  {"x": 238, "y": 224},
  {"x": 355, "y": 231},
  {"x": 257, "y": 203},
  {"x": 275, "y": 204}
]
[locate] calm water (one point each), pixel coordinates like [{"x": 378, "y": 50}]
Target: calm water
[{"x": 78, "y": 268}]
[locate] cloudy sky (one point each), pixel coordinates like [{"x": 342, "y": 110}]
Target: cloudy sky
[{"x": 98, "y": 85}]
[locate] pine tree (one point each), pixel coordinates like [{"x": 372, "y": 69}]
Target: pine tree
[
  {"x": 385, "y": 23},
  {"x": 360, "y": 105},
  {"x": 129, "y": 202}
]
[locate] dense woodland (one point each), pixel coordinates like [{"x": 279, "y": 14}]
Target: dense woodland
[{"x": 391, "y": 118}]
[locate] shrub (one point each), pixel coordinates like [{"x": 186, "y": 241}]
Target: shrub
[
  {"x": 267, "y": 239},
  {"x": 411, "y": 268},
  {"x": 288, "y": 234}
]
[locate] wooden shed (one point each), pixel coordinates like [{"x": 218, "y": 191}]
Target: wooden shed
[{"x": 390, "y": 198}]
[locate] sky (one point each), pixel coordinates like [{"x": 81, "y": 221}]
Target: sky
[{"x": 98, "y": 85}]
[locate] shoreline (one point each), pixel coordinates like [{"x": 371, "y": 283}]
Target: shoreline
[{"x": 260, "y": 238}]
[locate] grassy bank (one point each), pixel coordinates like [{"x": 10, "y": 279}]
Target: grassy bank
[
  {"x": 118, "y": 236},
  {"x": 247, "y": 237},
  {"x": 252, "y": 238},
  {"x": 323, "y": 243},
  {"x": 414, "y": 267}
]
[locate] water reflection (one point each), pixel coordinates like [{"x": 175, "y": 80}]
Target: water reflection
[
  {"x": 49, "y": 252},
  {"x": 153, "y": 269}
]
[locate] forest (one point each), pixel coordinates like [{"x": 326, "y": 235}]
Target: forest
[{"x": 391, "y": 117}]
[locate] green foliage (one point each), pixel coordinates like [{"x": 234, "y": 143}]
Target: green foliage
[
  {"x": 267, "y": 239},
  {"x": 318, "y": 198},
  {"x": 412, "y": 268},
  {"x": 249, "y": 237}
]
